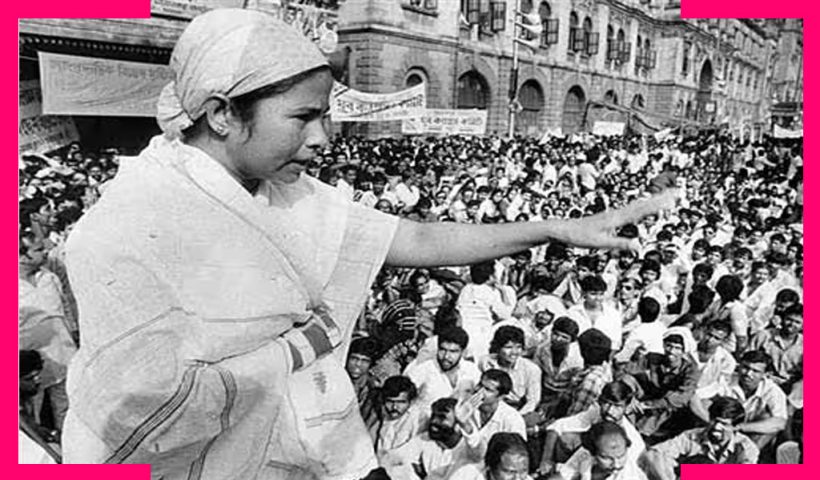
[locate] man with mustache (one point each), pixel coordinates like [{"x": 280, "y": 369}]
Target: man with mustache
[
  {"x": 564, "y": 435},
  {"x": 435, "y": 454},
  {"x": 716, "y": 362},
  {"x": 604, "y": 456},
  {"x": 718, "y": 442},
  {"x": 447, "y": 375},
  {"x": 399, "y": 419},
  {"x": 763, "y": 401},
  {"x": 784, "y": 344}
]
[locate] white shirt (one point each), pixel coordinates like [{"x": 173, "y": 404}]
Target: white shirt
[
  {"x": 526, "y": 380},
  {"x": 439, "y": 462},
  {"x": 648, "y": 336},
  {"x": 583, "y": 421},
  {"x": 718, "y": 369},
  {"x": 608, "y": 321},
  {"x": 768, "y": 400},
  {"x": 433, "y": 383},
  {"x": 478, "y": 305},
  {"x": 579, "y": 466},
  {"x": 504, "y": 419}
]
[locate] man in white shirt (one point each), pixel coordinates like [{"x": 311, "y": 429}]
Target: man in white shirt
[
  {"x": 400, "y": 418},
  {"x": 347, "y": 181},
  {"x": 485, "y": 414},
  {"x": 648, "y": 335},
  {"x": 604, "y": 457},
  {"x": 435, "y": 454},
  {"x": 564, "y": 435},
  {"x": 447, "y": 375},
  {"x": 506, "y": 349},
  {"x": 480, "y": 304},
  {"x": 593, "y": 312},
  {"x": 763, "y": 401}
]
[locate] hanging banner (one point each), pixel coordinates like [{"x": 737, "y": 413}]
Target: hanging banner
[
  {"x": 188, "y": 9},
  {"x": 780, "y": 132},
  {"x": 446, "y": 122},
  {"x": 38, "y": 134},
  {"x": 96, "y": 86},
  {"x": 348, "y": 105},
  {"x": 608, "y": 128}
]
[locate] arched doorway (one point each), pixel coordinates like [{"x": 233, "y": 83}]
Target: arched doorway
[
  {"x": 704, "y": 96},
  {"x": 638, "y": 103},
  {"x": 573, "y": 116},
  {"x": 473, "y": 91},
  {"x": 611, "y": 97},
  {"x": 531, "y": 97}
]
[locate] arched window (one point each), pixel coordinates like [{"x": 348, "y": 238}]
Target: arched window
[
  {"x": 638, "y": 102},
  {"x": 588, "y": 39},
  {"x": 573, "y": 32},
  {"x": 473, "y": 91},
  {"x": 647, "y": 52},
  {"x": 623, "y": 55},
  {"x": 610, "y": 43},
  {"x": 548, "y": 36},
  {"x": 414, "y": 77},
  {"x": 611, "y": 97},
  {"x": 638, "y": 54},
  {"x": 573, "y": 115},
  {"x": 531, "y": 97},
  {"x": 687, "y": 47}
]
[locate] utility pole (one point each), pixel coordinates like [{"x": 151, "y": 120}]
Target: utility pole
[{"x": 514, "y": 73}]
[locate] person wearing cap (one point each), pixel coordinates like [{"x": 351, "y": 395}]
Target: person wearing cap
[
  {"x": 213, "y": 256},
  {"x": 720, "y": 442},
  {"x": 564, "y": 435},
  {"x": 666, "y": 383}
]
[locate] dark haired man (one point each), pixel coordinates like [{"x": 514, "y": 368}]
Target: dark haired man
[{"x": 718, "y": 442}]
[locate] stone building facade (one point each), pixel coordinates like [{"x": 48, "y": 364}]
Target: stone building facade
[{"x": 637, "y": 54}]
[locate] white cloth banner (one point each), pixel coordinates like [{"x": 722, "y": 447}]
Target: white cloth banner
[
  {"x": 189, "y": 9},
  {"x": 661, "y": 135},
  {"x": 96, "y": 86},
  {"x": 446, "y": 122},
  {"x": 348, "y": 105},
  {"x": 780, "y": 132},
  {"x": 608, "y": 128},
  {"x": 38, "y": 134},
  {"x": 551, "y": 132}
]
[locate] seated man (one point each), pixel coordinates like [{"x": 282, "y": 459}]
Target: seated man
[
  {"x": 763, "y": 401},
  {"x": 604, "y": 456},
  {"x": 596, "y": 349},
  {"x": 559, "y": 359},
  {"x": 717, "y": 364},
  {"x": 647, "y": 337},
  {"x": 435, "y": 454},
  {"x": 564, "y": 435},
  {"x": 506, "y": 458},
  {"x": 505, "y": 354},
  {"x": 593, "y": 312},
  {"x": 485, "y": 414},
  {"x": 447, "y": 375},
  {"x": 718, "y": 442},
  {"x": 784, "y": 344},
  {"x": 363, "y": 352},
  {"x": 400, "y": 419},
  {"x": 666, "y": 382}
]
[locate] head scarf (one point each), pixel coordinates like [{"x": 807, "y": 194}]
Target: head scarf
[
  {"x": 228, "y": 53},
  {"x": 689, "y": 344}
]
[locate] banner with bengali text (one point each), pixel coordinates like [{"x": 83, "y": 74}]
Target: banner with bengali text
[
  {"x": 36, "y": 133},
  {"x": 780, "y": 132},
  {"x": 348, "y": 105},
  {"x": 96, "y": 86},
  {"x": 446, "y": 122}
]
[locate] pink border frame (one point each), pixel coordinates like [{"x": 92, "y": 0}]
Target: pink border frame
[{"x": 141, "y": 8}]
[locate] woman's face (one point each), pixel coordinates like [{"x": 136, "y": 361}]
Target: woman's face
[{"x": 288, "y": 132}]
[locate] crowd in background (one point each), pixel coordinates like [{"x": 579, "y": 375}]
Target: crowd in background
[{"x": 558, "y": 362}]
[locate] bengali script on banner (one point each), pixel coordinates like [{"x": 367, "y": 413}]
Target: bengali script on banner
[
  {"x": 38, "y": 134},
  {"x": 446, "y": 122},
  {"x": 608, "y": 128},
  {"x": 95, "y": 86},
  {"x": 348, "y": 105}
]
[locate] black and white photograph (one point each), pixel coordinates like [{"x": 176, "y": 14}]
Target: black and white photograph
[{"x": 411, "y": 240}]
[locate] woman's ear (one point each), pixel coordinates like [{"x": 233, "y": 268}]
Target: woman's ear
[{"x": 220, "y": 118}]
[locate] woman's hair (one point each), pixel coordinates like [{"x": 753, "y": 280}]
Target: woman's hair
[
  {"x": 244, "y": 106},
  {"x": 504, "y": 443}
]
